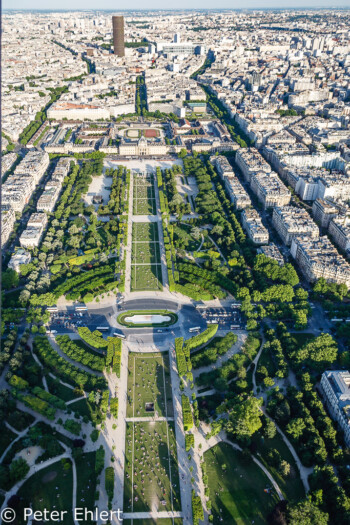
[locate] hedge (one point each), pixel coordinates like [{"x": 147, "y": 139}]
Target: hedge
[
  {"x": 72, "y": 426},
  {"x": 114, "y": 354},
  {"x": 212, "y": 276},
  {"x": 114, "y": 403},
  {"x": 197, "y": 508},
  {"x": 64, "y": 370},
  {"x": 79, "y": 354},
  {"x": 180, "y": 356},
  {"x": 94, "y": 338},
  {"x": 192, "y": 291},
  {"x": 99, "y": 460},
  {"x": 186, "y": 412},
  {"x": 109, "y": 483},
  {"x": 78, "y": 280},
  {"x": 36, "y": 404},
  {"x": 53, "y": 400},
  {"x": 202, "y": 338},
  {"x": 189, "y": 441}
]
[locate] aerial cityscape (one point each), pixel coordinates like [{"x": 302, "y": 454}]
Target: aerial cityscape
[{"x": 175, "y": 266}]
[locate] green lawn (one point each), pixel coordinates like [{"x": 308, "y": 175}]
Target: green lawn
[
  {"x": 145, "y": 231},
  {"x": 145, "y": 252},
  {"x": 86, "y": 482},
  {"x": 146, "y": 270},
  {"x": 149, "y": 382},
  {"x": 291, "y": 485},
  {"x": 59, "y": 390},
  {"x": 40, "y": 491},
  {"x": 143, "y": 196},
  {"x": 150, "y": 464},
  {"x": 237, "y": 493},
  {"x": 146, "y": 277}
]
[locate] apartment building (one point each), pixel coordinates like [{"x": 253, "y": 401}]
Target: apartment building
[
  {"x": 223, "y": 166},
  {"x": 250, "y": 161},
  {"x": 6, "y": 162},
  {"x": 290, "y": 221},
  {"x": 8, "y": 219},
  {"x": 339, "y": 229},
  {"x": 254, "y": 227},
  {"x": 324, "y": 210},
  {"x": 271, "y": 251},
  {"x": 35, "y": 163},
  {"x": 335, "y": 387},
  {"x": 19, "y": 186},
  {"x": 318, "y": 258},
  {"x": 18, "y": 258},
  {"x": 335, "y": 185},
  {"x": 269, "y": 189},
  {"x": 31, "y": 236},
  {"x": 238, "y": 196}
]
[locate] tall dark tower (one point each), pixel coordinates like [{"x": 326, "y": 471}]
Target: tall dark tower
[{"x": 118, "y": 35}]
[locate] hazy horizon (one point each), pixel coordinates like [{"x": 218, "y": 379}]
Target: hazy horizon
[{"x": 159, "y": 5}]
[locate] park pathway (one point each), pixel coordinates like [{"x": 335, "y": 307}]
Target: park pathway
[
  {"x": 161, "y": 237},
  {"x": 128, "y": 246},
  {"x": 182, "y": 456}
]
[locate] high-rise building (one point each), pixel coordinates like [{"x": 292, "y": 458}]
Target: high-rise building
[{"x": 118, "y": 35}]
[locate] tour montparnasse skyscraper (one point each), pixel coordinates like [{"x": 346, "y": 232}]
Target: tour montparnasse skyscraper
[{"x": 118, "y": 35}]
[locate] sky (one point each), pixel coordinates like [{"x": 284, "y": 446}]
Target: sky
[{"x": 160, "y": 4}]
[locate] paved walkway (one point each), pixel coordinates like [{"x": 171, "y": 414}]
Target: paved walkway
[
  {"x": 182, "y": 456},
  {"x": 152, "y": 515},
  {"x": 147, "y": 419},
  {"x": 161, "y": 237},
  {"x": 127, "y": 251},
  {"x": 116, "y": 438}
]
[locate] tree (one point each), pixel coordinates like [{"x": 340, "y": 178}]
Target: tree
[
  {"x": 284, "y": 468},
  {"x": 306, "y": 513},
  {"x": 19, "y": 468},
  {"x": 296, "y": 427},
  {"x": 245, "y": 418},
  {"x": 196, "y": 233},
  {"x": 9, "y": 279},
  {"x": 270, "y": 429}
]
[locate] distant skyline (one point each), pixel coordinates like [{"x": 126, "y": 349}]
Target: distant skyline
[{"x": 159, "y": 4}]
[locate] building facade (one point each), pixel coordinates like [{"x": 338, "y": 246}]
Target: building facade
[{"x": 118, "y": 35}]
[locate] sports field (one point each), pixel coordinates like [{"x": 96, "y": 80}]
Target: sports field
[
  {"x": 151, "y": 480},
  {"x": 144, "y": 198},
  {"x": 146, "y": 270},
  {"x": 149, "y": 386}
]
